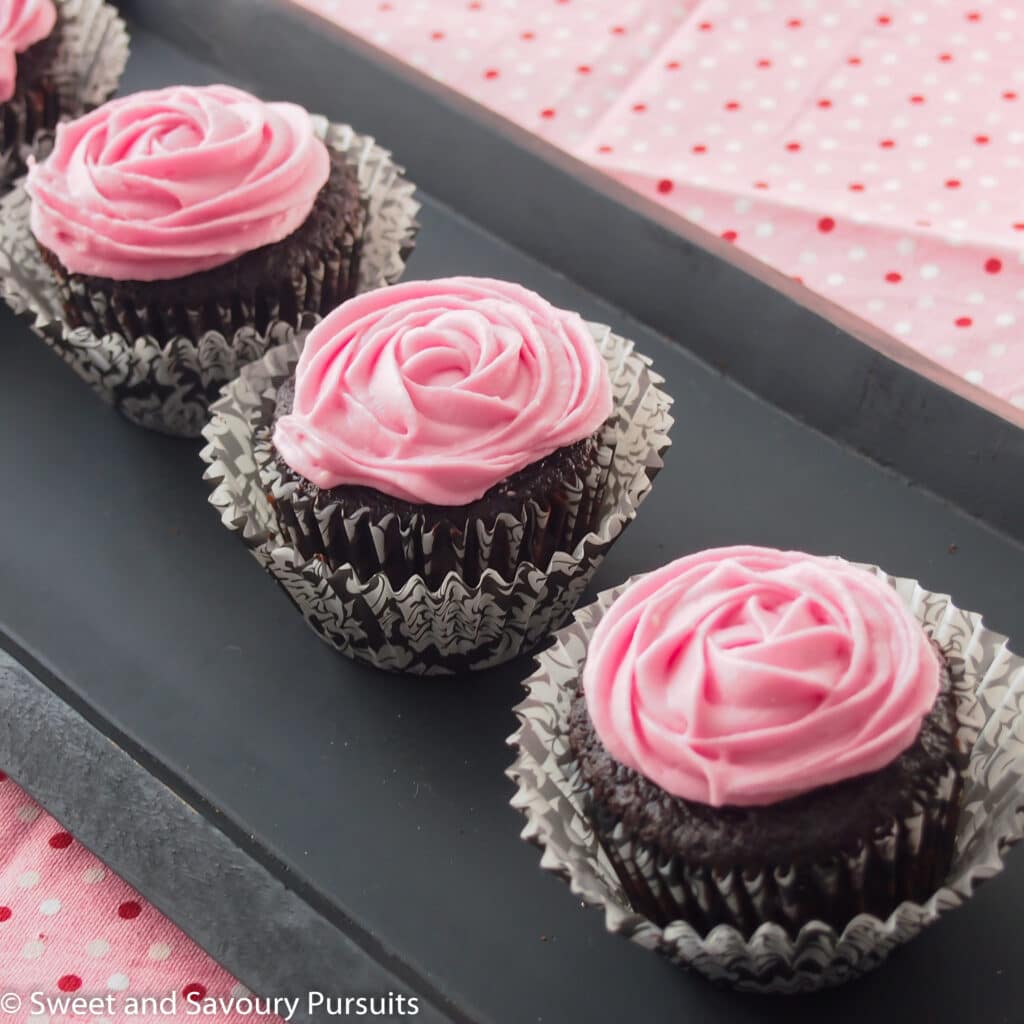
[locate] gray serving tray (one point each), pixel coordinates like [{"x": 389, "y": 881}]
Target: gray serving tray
[{"x": 320, "y": 826}]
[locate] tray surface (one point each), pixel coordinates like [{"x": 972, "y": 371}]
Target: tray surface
[{"x": 382, "y": 800}]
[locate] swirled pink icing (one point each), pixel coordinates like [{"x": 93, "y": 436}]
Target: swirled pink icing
[
  {"x": 22, "y": 23},
  {"x": 747, "y": 675},
  {"x": 434, "y": 391},
  {"x": 162, "y": 184}
]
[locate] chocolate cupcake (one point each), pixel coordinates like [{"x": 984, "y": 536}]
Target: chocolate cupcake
[
  {"x": 440, "y": 427},
  {"x": 49, "y": 52},
  {"x": 185, "y": 210},
  {"x": 29, "y": 99},
  {"x": 767, "y": 736},
  {"x": 404, "y": 470}
]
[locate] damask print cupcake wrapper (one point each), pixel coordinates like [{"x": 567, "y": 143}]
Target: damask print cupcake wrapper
[
  {"x": 91, "y": 50},
  {"x": 169, "y": 387},
  {"x": 457, "y": 626},
  {"x": 989, "y": 681}
]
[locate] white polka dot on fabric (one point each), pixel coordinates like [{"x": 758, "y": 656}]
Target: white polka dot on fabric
[
  {"x": 28, "y": 813},
  {"x": 159, "y": 951},
  {"x": 97, "y": 948},
  {"x": 117, "y": 982},
  {"x": 27, "y": 880},
  {"x": 33, "y": 949},
  {"x": 92, "y": 875},
  {"x": 49, "y": 907}
]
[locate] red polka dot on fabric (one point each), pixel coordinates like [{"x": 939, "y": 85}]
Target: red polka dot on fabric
[
  {"x": 963, "y": 321},
  {"x": 69, "y": 983},
  {"x": 437, "y": 35},
  {"x": 730, "y": 236},
  {"x": 665, "y": 186},
  {"x": 3, "y": 777},
  {"x": 953, "y": 183},
  {"x": 194, "y": 991},
  {"x": 129, "y": 910},
  {"x": 61, "y": 840},
  {"x": 793, "y": 147},
  {"x": 699, "y": 148},
  {"x": 794, "y": 23},
  {"x": 894, "y": 277},
  {"x": 993, "y": 265},
  {"x": 584, "y": 69},
  {"x": 547, "y": 113},
  {"x": 1009, "y": 95},
  {"x": 492, "y": 73},
  {"x": 826, "y": 224},
  {"x": 884, "y": 19},
  {"x": 5, "y": 914}
]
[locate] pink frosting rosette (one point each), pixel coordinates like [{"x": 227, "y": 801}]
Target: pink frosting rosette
[
  {"x": 435, "y": 391},
  {"x": 172, "y": 182},
  {"x": 746, "y": 675},
  {"x": 22, "y": 23}
]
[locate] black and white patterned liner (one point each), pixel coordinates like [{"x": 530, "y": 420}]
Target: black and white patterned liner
[
  {"x": 91, "y": 54},
  {"x": 990, "y": 713},
  {"x": 456, "y": 627},
  {"x": 169, "y": 387}
]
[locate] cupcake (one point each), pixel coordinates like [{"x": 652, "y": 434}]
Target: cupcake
[
  {"x": 49, "y": 52},
  {"x": 436, "y": 471},
  {"x": 176, "y": 236},
  {"x": 460, "y": 419},
  {"x": 767, "y": 736},
  {"x": 184, "y": 210}
]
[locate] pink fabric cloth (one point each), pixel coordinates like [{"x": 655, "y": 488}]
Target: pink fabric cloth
[
  {"x": 871, "y": 148},
  {"x": 69, "y": 926}
]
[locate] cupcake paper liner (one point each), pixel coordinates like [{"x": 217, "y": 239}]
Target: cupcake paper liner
[
  {"x": 90, "y": 54},
  {"x": 988, "y": 682},
  {"x": 168, "y": 386},
  {"x": 413, "y": 628}
]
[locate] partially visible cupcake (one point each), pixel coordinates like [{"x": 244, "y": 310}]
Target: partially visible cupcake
[
  {"x": 189, "y": 209},
  {"x": 57, "y": 59},
  {"x": 438, "y": 427},
  {"x": 29, "y": 100},
  {"x": 767, "y": 736}
]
